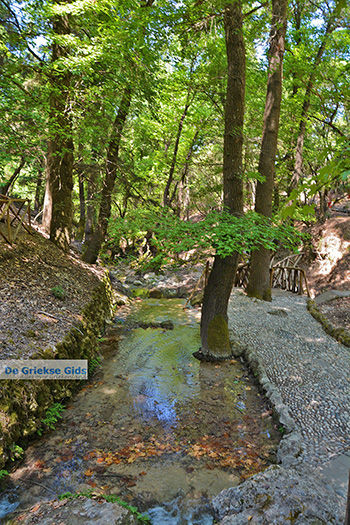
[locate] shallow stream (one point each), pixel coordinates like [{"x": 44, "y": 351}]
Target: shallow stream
[{"x": 155, "y": 426}]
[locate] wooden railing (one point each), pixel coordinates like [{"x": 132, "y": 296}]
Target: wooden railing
[
  {"x": 242, "y": 275},
  {"x": 13, "y": 213},
  {"x": 289, "y": 277}
]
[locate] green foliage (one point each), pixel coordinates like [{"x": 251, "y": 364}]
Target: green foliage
[
  {"x": 171, "y": 53},
  {"x": 3, "y": 474},
  {"x": 94, "y": 363},
  {"x": 58, "y": 292},
  {"x": 155, "y": 263},
  {"x": 53, "y": 414},
  {"x": 218, "y": 230},
  {"x": 334, "y": 175},
  {"x": 16, "y": 452},
  {"x": 337, "y": 170},
  {"x": 110, "y": 498}
]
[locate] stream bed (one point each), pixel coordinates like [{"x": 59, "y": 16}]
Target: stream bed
[{"x": 155, "y": 426}]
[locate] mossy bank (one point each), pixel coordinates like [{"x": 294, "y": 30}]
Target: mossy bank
[{"x": 23, "y": 404}]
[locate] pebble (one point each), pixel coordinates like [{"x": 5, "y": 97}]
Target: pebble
[{"x": 306, "y": 375}]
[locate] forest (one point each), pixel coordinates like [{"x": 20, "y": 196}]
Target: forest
[
  {"x": 114, "y": 114},
  {"x": 152, "y": 136}
]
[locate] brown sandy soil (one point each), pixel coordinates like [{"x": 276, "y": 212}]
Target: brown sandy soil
[
  {"x": 31, "y": 317},
  {"x": 338, "y": 312},
  {"x": 331, "y": 245},
  {"x": 331, "y": 268}
]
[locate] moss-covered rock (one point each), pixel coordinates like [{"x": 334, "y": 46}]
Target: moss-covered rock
[{"x": 142, "y": 293}]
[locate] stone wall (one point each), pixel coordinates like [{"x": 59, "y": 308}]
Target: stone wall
[{"x": 23, "y": 404}]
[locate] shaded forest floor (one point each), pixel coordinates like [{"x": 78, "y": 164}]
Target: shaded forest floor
[
  {"x": 337, "y": 312},
  {"x": 43, "y": 292}
]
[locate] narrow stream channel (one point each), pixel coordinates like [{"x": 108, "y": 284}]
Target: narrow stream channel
[{"x": 155, "y": 427}]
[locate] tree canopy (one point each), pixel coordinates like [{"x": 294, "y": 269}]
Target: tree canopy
[{"x": 69, "y": 67}]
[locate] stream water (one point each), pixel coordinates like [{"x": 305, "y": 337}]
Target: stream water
[{"x": 155, "y": 426}]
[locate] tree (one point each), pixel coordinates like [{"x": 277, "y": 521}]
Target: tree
[
  {"x": 214, "y": 328},
  {"x": 59, "y": 175},
  {"x": 331, "y": 25},
  {"x": 93, "y": 248},
  {"x": 259, "y": 278},
  {"x": 4, "y": 188}
]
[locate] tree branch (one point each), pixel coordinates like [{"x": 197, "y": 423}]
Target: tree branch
[
  {"x": 329, "y": 124},
  {"x": 245, "y": 15},
  {"x": 16, "y": 23}
]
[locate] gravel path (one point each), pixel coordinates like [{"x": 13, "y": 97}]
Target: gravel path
[
  {"x": 309, "y": 368},
  {"x": 306, "y": 375}
]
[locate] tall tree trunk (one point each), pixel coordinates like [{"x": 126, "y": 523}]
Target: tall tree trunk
[
  {"x": 259, "y": 278},
  {"x": 298, "y": 158},
  {"x": 166, "y": 200},
  {"x": 80, "y": 169},
  {"x": 94, "y": 246},
  {"x": 5, "y": 188},
  {"x": 60, "y": 147},
  {"x": 214, "y": 327},
  {"x": 82, "y": 208},
  {"x": 91, "y": 206},
  {"x": 38, "y": 199},
  {"x": 182, "y": 184},
  {"x": 47, "y": 208}
]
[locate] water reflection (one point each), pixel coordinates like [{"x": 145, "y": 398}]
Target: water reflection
[
  {"x": 156, "y": 425},
  {"x": 162, "y": 373}
]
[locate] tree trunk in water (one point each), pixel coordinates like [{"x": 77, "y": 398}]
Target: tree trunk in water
[
  {"x": 214, "y": 327},
  {"x": 60, "y": 147},
  {"x": 94, "y": 246},
  {"x": 259, "y": 278}
]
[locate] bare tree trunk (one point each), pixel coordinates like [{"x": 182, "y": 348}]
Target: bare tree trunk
[
  {"x": 166, "y": 200},
  {"x": 8, "y": 184},
  {"x": 47, "y": 208},
  {"x": 94, "y": 246},
  {"x": 259, "y": 278},
  {"x": 82, "y": 208},
  {"x": 182, "y": 185},
  {"x": 91, "y": 207},
  {"x": 214, "y": 327},
  {"x": 80, "y": 170},
  {"x": 298, "y": 159},
  {"x": 91, "y": 199},
  {"x": 38, "y": 199}
]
